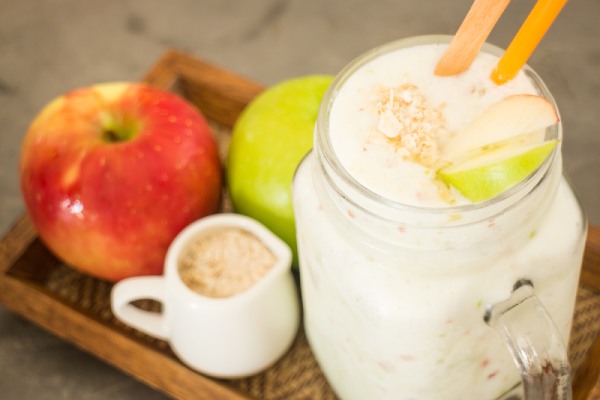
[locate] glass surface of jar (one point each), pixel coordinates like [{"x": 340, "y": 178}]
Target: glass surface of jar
[{"x": 395, "y": 295}]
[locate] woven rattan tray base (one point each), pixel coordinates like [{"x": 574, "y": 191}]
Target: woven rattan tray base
[{"x": 76, "y": 307}]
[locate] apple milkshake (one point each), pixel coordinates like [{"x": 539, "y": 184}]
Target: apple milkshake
[{"x": 398, "y": 267}]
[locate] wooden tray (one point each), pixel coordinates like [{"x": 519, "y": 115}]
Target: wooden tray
[{"x": 76, "y": 307}]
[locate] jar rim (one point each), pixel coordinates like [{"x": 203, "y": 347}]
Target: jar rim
[{"x": 323, "y": 141}]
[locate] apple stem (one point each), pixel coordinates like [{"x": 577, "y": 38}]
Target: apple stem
[
  {"x": 118, "y": 128},
  {"x": 110, "y": 135}
]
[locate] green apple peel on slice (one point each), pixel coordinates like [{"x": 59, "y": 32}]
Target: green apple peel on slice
[{"x": 490, "y": 174}]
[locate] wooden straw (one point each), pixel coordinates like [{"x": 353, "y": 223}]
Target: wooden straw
[
  {"x": 533, "y": 29},
  {"x": 471, "y": 35}
]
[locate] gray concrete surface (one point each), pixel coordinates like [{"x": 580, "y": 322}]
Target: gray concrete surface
[{"x": 50, "y": 46}]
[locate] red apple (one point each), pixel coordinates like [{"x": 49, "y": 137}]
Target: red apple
[{"x": 111, "y": 173}]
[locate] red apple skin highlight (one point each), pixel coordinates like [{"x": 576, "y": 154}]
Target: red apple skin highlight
[{"x": 111, "y": 208}]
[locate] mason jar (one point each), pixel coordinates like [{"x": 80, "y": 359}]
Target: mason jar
[{"x": 398, "y": 298}]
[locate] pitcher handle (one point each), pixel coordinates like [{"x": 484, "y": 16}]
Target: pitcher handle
[
  {"x": 534, "y": 342},
  {"x": 137, "y": 288}
]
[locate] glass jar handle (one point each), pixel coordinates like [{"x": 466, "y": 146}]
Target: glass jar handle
[{"x": 534, "y": 342}]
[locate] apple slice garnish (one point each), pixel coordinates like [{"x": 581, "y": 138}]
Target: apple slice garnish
[
  {"x": 512, "y": 116},
  {"x": 500, "y": 148}
]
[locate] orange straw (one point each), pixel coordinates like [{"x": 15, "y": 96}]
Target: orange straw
[{"x": 533, "y": 29}]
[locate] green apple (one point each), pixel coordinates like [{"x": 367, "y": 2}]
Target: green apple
[
  {"x": 483, "y": 177},
  {"x": 274, "y": 132},
  {"x": 499, "y": 148}
]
